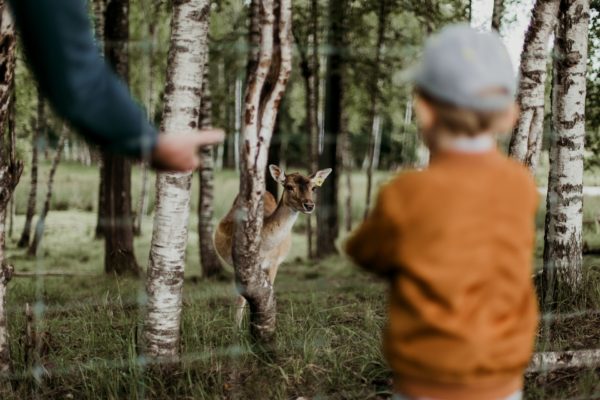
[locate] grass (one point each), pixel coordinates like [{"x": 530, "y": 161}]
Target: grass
[{"x": 329, "y": 318}]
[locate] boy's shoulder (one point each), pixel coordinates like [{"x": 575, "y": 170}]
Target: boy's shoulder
[
  {"x": 403, "y": 179},
  {"x": 403, "y": 182},
  {"x": 517, "y": 170}
]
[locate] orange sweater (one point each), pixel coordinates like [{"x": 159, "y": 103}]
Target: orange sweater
[{"x": 456, "y": 241}]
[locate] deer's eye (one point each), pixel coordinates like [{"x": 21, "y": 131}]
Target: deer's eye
[
  {"x": 314, "y": 189},
  {"x": 289, "y": 188}
]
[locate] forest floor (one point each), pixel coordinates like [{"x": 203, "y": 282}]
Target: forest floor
[{"x": 329, "y": 318}]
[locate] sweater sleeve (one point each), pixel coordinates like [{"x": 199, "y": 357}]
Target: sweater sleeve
[
  {"x": 79, "y": 85},
  {"x": 374, "y": 245}
]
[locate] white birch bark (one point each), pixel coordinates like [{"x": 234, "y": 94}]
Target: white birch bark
[
  {"x": 187, "y": 53},
  {"x": 39, "y": 228},
  {"x": 551, "y": 361},
  {"x": 10, "y": 171},
  {"x": 497, "y": 13},
  {"x": 563, "y": 236},
  {"x": 259, "y": 119},
  {"x": 238, "y": 121},
  {"x": 526, "y": 140}
]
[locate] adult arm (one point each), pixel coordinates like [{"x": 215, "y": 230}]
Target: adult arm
[{"x": 80, "y": 86}]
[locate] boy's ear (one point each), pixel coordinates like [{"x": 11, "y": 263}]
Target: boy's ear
[
  {"x": 509, "y": 119},
  {"x": 319, "y": 177},
  {"x": 277, "y": 173},
  {"x": 424, "y": 113}
]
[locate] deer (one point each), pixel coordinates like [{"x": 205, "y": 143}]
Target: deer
[{"x": 279, "y": 218}]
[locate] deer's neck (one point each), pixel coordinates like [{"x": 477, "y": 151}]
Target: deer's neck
[{"x": 277, "y": 226}]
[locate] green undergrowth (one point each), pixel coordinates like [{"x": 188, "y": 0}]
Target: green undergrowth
[{"x": 330, "y": 316}]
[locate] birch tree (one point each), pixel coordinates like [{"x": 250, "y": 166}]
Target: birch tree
[
  {"x": 382, "y": 13},
  {"x": 526, "y": 140},
  {"x": 10, "y": 168},
  {"x": 211, "y": 265},
  {"x": 563, "y": 236},
  {"x": 142, "y": 207},
  {"x": 310, "y": 68},
  {"x": 260, "y": 112},
  {"x": 497, "y": 14},
  {"x": 38, "y": 132},
  {"x": 41, "y": 222},
  {"x": 164, "y": 284}
]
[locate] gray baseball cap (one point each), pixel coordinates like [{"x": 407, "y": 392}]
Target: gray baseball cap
[{"x": 467, "y": 68}]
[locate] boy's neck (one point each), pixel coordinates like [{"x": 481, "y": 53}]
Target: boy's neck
[{"x": 481, "y": 143}]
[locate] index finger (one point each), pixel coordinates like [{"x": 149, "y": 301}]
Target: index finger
[{"x": 208, "y": 137}]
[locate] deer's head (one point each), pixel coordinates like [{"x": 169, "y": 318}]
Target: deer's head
[{"x": 298, "y": 189}]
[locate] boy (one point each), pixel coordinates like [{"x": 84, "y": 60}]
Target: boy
[{"x": 456, "y": 240}]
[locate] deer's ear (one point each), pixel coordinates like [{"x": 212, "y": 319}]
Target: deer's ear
[
  {"x": 277, "y": 173},
  {"x": 319, "y": 177}
]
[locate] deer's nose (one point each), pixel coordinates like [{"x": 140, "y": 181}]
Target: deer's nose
[{"x": 309, "y": 206}]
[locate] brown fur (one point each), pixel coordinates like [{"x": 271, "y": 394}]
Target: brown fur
[
  {"x": 224, "y": 232},
  {"x": 279, "y": 218}
]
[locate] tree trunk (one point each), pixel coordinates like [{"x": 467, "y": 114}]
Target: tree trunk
[
  {"x": 39, "y": 228},
  {"x": 309, "y": 66},
  {"x": 260, "y": 111},
  {"x": 348, "y": 164},
  {"x": 552, "y": 361},
  {"x": 101, "y": 220},
  {"x": 12, "y": 148},
  {"x": 10, "y": 169},
  {"x": 37, "y": 133},
  {"x": 187, "y": 57},
  {"x": 526, "y": 140},
  {"x": 274, "y": 157},
  {"x": 563, "y": 274},
  {"x": 142, "y": 208},
  {"x": 119, "y": 257},
  {"x": 327, "y": 216},
  {"x": 238, "y": 122},
  {"x": 211, "y": 265},
  {"x": 375, "y": 95},
  {"x": 497, "y": 14},
  {"x": 99, "y": 8}
]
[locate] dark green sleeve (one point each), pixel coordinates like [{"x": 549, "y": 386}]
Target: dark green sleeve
[{"x": 80, "y": 86}]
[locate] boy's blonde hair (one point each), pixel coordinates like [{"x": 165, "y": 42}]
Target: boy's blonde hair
[{"x": 458, "y": 120}]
